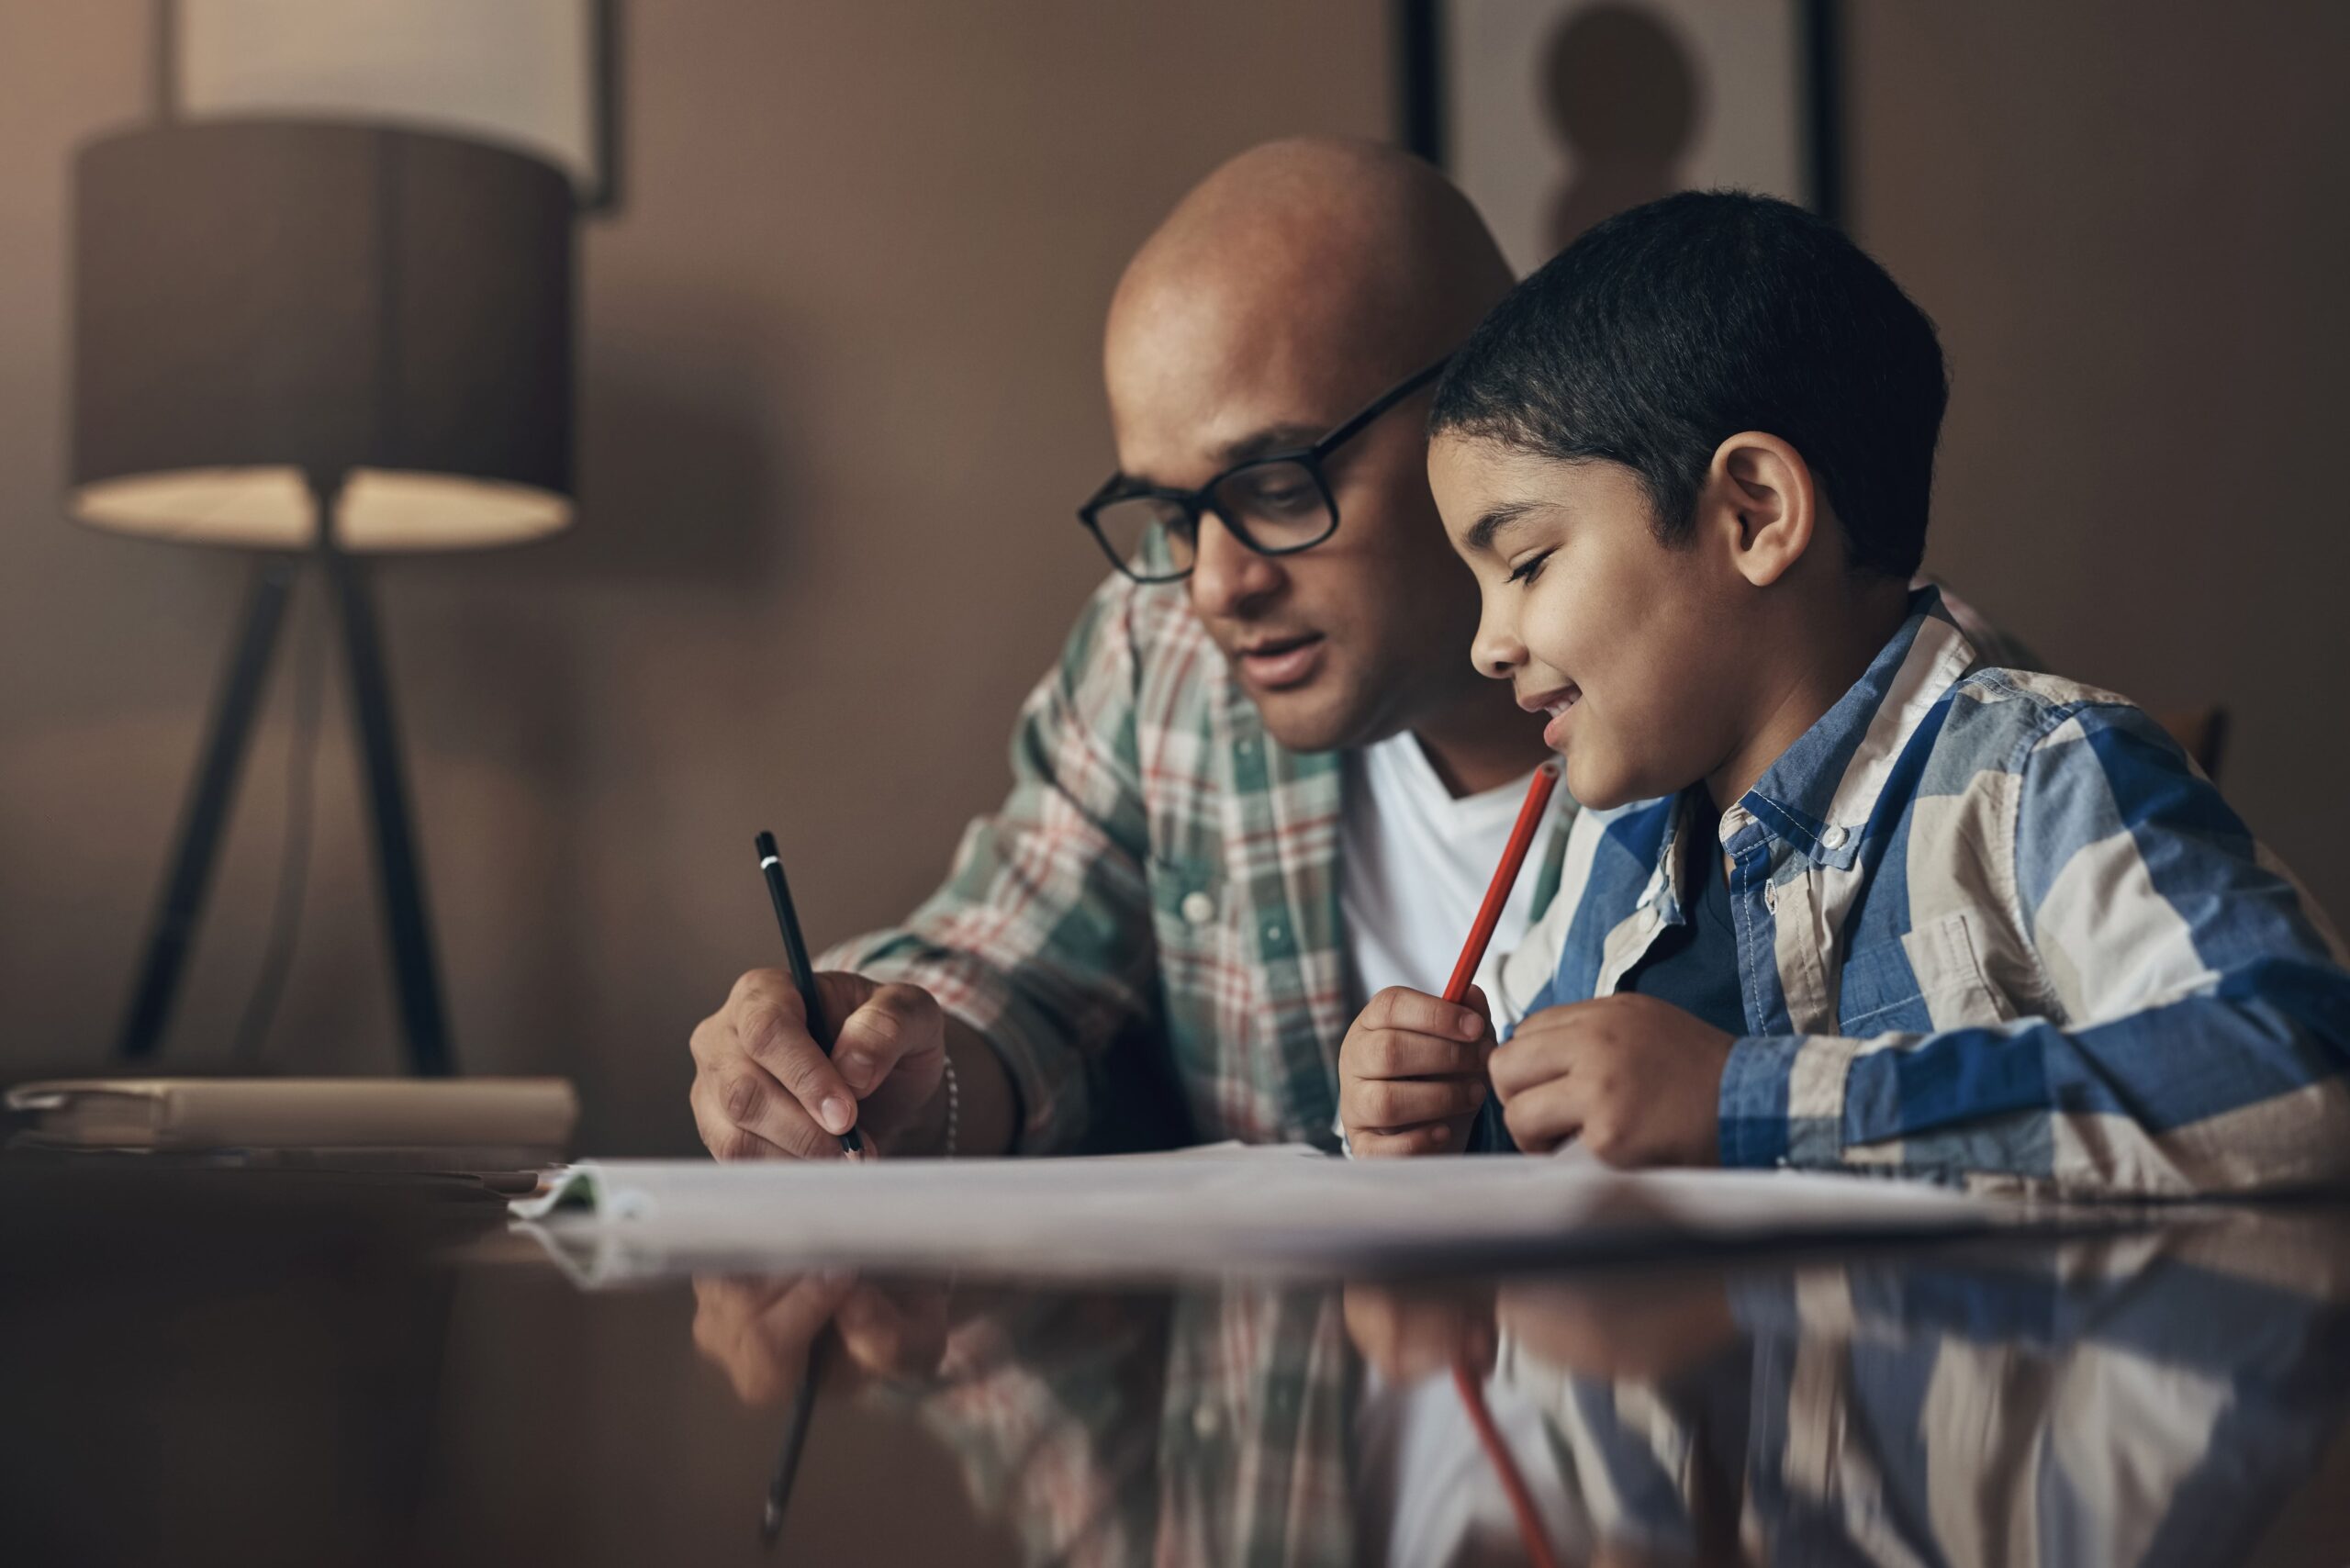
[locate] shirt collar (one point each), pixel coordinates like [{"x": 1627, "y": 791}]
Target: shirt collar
[{"x": 1821, "y": 793}]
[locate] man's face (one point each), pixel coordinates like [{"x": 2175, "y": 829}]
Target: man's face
[
  {"x": 1630, "y": 646},
  {"x": 1356, "y": 638}
]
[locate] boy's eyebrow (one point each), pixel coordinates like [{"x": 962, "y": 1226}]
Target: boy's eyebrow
[{"x": 1481, "y": 533}]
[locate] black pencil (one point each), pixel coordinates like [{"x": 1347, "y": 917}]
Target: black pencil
[
  {"x": 795, "y": 1438},
  {"x": 803, "y": 977},
  {"x": 795, "y": 948}
]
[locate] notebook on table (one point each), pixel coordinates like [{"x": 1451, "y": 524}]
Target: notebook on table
[{"x": 470, "y": 1124}]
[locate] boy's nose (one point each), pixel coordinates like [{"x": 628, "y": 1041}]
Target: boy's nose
[
  {"x": 1227, "y": 577},
  {"x": 1496, "y": 650}
]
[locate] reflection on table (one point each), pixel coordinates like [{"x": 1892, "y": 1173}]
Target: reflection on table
[
  {"x": 2156, "y": 1397},
  {"x": 244, "y": 1366}
]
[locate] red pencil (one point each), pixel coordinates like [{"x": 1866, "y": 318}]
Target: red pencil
[
  {"x": 1521, "y": 839},
  {"x": 1464, "y": 1377}
]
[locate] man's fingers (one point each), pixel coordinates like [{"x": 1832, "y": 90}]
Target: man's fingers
[
  {"x": 742, "y": 1113},
  {"x": 773, "y": 1032},
  {"x": 1401, "y": 1007},
  {"x": 893, "y": 1021},
  {"x": 720, "y": 1135},
  {"x": 758, "y": 1331},
  {"x": 890, "y": 1336},
  {"x": 1389, "y": 1104}
]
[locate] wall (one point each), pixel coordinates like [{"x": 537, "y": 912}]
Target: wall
[
  {"x": 839, "y": 393},
  {"x": 2130, "y": 220},
  {"x": 839, "y": 396}
]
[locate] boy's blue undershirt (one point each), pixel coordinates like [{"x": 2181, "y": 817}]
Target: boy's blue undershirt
[{"x": 1694, "y": 965}]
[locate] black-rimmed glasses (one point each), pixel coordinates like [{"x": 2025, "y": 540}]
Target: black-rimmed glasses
[{"x": 1276, "y": 504}]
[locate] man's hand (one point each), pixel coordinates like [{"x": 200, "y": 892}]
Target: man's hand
[
  {"x": 1411, "y": 1072},
  {"x": 758, "y": 1332},
  {"x": 1637, "y": 1080},
  {"x": 764, "y": 1088}
]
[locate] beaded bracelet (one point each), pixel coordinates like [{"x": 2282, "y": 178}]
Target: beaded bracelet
[{"x": 954, "y": 1108}]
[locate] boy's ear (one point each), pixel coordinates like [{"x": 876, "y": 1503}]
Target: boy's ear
[{"x": 1760, "y": 492}]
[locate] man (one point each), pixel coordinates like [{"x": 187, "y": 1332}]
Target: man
[{"x": 1165, "y": 876}]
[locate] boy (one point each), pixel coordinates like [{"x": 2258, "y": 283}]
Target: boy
[{"x": 1841, "y": 895}]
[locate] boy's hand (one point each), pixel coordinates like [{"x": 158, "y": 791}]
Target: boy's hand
[
  {"x": 1637, "y": 1080},
  {"x": 1411, "y": 1332},
  {"x": 1411, "y": 1072}
]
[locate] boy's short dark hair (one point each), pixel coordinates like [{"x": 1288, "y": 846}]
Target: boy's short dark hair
[{"x": 1674, "y": 326}]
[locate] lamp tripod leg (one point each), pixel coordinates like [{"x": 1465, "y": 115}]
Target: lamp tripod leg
[
  {"x": 421, "y": 1018},
  {"x": 213, "y": 787}
]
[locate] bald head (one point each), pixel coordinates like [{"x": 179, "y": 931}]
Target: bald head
[
  {"x": 1345, "y": 254},
  {"x": 1292, "y": 288}
]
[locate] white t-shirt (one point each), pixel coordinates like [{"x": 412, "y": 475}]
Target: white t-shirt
[{"x": 1414, "y": 864}]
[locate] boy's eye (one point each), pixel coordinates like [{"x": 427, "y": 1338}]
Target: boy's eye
[{"x": 1526, "y": 571}]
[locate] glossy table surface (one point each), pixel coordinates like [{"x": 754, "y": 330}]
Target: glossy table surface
[{"x": 262, "y": 1367}]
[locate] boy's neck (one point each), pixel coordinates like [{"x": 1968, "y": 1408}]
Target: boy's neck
[{"x": 1834, "y": 647}]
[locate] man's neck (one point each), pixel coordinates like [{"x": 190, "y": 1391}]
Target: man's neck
[{"x": 1483, "y": 741}]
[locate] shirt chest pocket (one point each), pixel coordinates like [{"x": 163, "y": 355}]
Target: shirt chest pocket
[{"x": 1932, "y": 978}]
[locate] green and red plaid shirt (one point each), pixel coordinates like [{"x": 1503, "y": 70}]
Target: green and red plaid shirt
[{"x": 1160, "y": 890}]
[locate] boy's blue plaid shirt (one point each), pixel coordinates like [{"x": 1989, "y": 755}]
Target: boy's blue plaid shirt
[{"x": 1992, "y": 927}]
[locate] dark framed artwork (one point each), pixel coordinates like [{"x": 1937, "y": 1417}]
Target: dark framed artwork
[
  {"x": 1555, "y": 114},
  {"x": 537, "y": 75}
]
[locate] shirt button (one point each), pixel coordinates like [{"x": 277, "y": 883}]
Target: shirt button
[
  {"x": 1199, "y": 908},
  {"x": 1273, "y": 931},
  {"x": 1832, "y": 836},
  {"x": 1203, "y": 1420}
]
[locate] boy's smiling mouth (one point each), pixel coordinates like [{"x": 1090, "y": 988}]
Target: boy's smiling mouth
[{"x": 1554, "y": 702}]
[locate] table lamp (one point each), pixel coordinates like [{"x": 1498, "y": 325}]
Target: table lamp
[{"x": 316, "y": 342}]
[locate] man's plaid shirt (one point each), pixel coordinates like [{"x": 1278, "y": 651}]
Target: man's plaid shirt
[{"x": 1162, "y": 871}]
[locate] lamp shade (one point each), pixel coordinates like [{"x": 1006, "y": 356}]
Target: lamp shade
[{"x": 265, "y": 307}]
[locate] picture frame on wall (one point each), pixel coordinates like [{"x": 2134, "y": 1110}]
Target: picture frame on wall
[
  {"x": 539, "y": 76},
  {"x": 1553, "y": 115}
]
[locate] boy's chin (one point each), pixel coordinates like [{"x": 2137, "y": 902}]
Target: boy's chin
[{"x": 1600, "y": 783}]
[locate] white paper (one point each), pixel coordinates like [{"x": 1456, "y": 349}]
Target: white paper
[{"x": 1218, "y": 1210}]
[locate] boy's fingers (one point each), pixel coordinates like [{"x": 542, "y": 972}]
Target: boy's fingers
[
  {"x": 1544, "y": 1117},
  {"x": 1389, "y": 1104},
  {"x": 1532, "y": 1059},
  {"x": 1400, "y": 1007},
  {"x": 1436, "y": 1137},
  {"x": 1396, "y": 1053}
]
